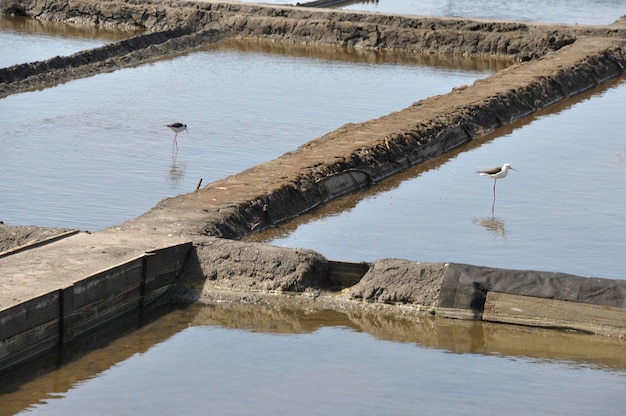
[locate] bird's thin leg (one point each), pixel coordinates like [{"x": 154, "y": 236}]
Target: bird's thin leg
[
  {"x": 493, "y": 206},
  {"x": 175, "y": 145}
]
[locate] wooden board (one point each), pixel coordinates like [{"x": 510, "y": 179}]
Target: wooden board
[{"x": 526, "y": 310}]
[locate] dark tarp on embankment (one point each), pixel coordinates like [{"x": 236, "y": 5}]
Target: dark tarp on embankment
[
  {"x": 466, "y": 287},
  {"x": 535, "y": 298}
]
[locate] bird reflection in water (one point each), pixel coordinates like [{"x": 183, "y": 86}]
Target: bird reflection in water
[
  {"x": 177, "y": 169},
  {"x": 492, "y": 224}
]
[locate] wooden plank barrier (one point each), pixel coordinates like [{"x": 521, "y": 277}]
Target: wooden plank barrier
[
  {"x": 161, "y": 267},
  {"x": 103, "y": 296},
  {"x": 553, "y": 313},
  {"x": 29, "y": 328},
  {"x": 37, "y": 326}
]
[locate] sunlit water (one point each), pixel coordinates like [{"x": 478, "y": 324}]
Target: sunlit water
[
  {"x": 25, "y": 40},
  {"x": 94, "y": 152},
  {"x": 560, "y": 11},
  {"x": 600, "y": 12},
  {"x": 238, "y": 360}
]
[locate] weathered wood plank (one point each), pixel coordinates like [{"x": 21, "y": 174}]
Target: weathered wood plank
[
  {"x": 161, "y": 269},
  {"x": 31, "y": 343},
  {"x": 527, "y": 310},
  {"x": 29, "y": 329},
  {"x": 34, "y": 312}
]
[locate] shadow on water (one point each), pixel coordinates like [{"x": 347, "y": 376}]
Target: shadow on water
[
  {"x": 85, "y": 357},
  {"x": 59, "y": 372},
  {"x": 377, "y": 57},
  {"x": 492, "y": 224}
]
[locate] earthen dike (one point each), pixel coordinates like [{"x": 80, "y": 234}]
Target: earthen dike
[{"x": 549, "y": 64}]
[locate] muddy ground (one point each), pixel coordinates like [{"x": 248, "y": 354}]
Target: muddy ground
[
  {"x": 15, "y": 236},
  {"x": 549, "y": 63}
]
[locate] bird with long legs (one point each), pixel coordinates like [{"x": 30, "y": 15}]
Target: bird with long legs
[
  {"x": 496, "y": 173},
  {"x": 177, "y": 128}
]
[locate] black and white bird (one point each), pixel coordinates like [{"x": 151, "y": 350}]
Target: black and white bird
[
  {"x": 496, "y": 173},
  {"x": 177, "y": 128}
]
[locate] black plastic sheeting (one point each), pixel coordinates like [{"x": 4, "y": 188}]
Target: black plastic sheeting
[{"x": 465, "y": 287}]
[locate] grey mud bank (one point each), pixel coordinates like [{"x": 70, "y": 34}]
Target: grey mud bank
[{"x": 549, "y": 63}]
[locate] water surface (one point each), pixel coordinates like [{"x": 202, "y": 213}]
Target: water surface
[
  {"x": 230, "y": 359},
  {"x": 601, "y": 12},
  {"x": 24, "y": 39}
]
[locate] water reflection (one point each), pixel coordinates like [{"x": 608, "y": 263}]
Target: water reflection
[
  {"x": 177, "y": 169},
  {"x": 71, "y": 368},
  {"x": 368, "y": 56},
  {"x": 59, "y": 371},
  {"x": 31, "y": 26},
  {"x": 492, "y": 224},
  {"x": 24, "y": 39},
  {"x": 455, "y": 336}
]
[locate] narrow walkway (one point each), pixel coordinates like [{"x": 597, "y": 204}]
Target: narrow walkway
[{"x": 45, "y": 268}]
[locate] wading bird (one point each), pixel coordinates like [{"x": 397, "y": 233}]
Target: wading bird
[
  {"x": 496, "y": 173},
  {"x": 177, "y": 128}
]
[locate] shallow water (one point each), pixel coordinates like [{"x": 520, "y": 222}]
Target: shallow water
[
  {"x": 599, "y": 12},
  {"x": 94, "y": 152},
  {"x": 560, "y": 11},
  {"x": 230, "y": 359},
  {"x": 25, "y": 40}
]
